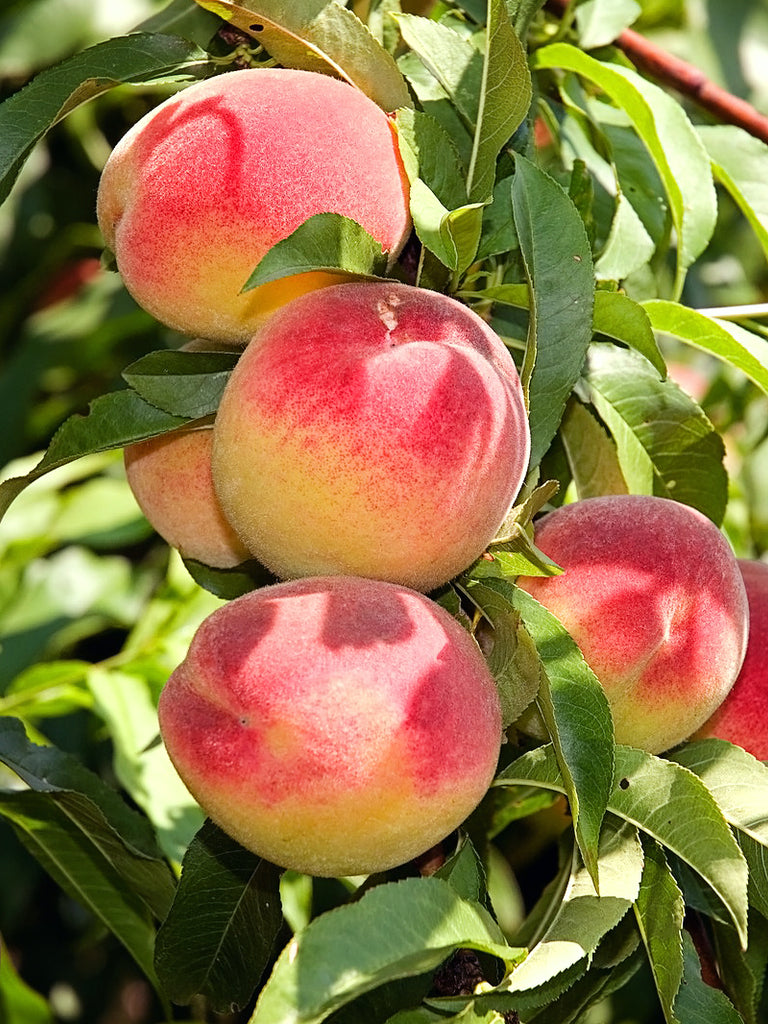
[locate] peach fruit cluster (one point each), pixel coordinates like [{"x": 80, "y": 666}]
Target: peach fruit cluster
[{"x": 368, "y": 445}]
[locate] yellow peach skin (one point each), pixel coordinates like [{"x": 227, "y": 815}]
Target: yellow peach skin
[
  {"x": 333, "y": 725},
  {"x": 652, "y": 594},
  {"x": 199, "y": 189},
  {"x": 371, "y": 429},
  {"x": 742, "y": 718},
  {"x": 170, "y": 477}
]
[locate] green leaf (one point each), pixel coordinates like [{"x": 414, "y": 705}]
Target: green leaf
[
  {"x": 669, "y": 803},
  {"x": 142, "y": 766},
  {"x": 47, "y": 689},
  {"x": 417, "y": 923},
  {"x": 559, "y": 269},
  {"x": 512, "y": 658},
  {"x": 659, "y": 910},
  {"x": 464, "y": 872},
  {"x": 578, "y": 717},
  {"x": 619, "y": 317},
  {"x": 429, "y": 153},
  {"x": 455, "y": 64},
  {"x": 742, "y": 972},
  {"x": 503, "y": 100},
  {"x": 736, "y": 779},
  {"x": 731, "y": 343},
  {"x": 113, "y": 421},
  {"x": 584, "y": 917},
  {"x": 326, "y": 241},
  {"x": 452, "y": 235},
  {"x": 435, "y": 101},
  {"x": 601, "y": 21},
  {"x": 676, "y": 149},
  {"x": 697, "y": 1002},
  {"x": 628, "y": 247},
  {"x": 740, "y": 161},
  {"x": 498, "y": 234},
  {"x": 221, "y": 929},
  {"x": 27, "y": 115},
  {"x": 591, "y": 454},
  {"x": 96, "y": 820},
  {"x": 186, "y": 384},
  {"x": 666, "y": 445},
  {"x": 19, "y": 1004},
  {"x": 315, "y": 35}
]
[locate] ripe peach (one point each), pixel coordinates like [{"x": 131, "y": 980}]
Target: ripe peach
[
  {"x": 333, "y": 725},
  {"x": 742, "y": 718},
  {"x": 170, "y": 477},
  {"x": 200, "y": 188},
  {"x": 653, "y": 596},
  {"x": 371, "y": 429}
]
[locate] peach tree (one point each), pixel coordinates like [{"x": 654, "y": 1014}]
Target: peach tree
[{"x": 580, "y": 191}]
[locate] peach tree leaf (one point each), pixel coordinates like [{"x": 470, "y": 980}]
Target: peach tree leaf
[
  {"x": 323, "y": 36},
  {"x": 666, "y": 445},
  {"x": 325, "y": 241},
  {"x": 187, "y": 384},
  {"x": 669, "y": 136},
  {"x": 221, "y": 929},
  {"x": 19, "y": 1002},
  {"x": 618, "y": 317},
  {"x": 113, "y": 421},
  {"x": 700, "y": 1003},
  {"x": 729, "y": 342},
  {"x": 558, "y": 266},
  {"x": 739, "y": 161},
  {"x": 659, "y": 911},
  {"x": 578, "y": 717},
  {"x": 503, "y": 99},
  {"x": 742, "y": 972},
  {"x": 395, "y": 930},
  {"x": 27, "y": 115},
  {"x": 669, "y": 803},
  {"x": 591, "y": 454}
]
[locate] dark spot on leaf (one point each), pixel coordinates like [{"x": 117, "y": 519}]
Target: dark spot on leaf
[
  {"x": 624, "y": 784},
  {"x": 256, "y": 28}
]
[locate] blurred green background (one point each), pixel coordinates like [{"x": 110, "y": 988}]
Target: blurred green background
[{"x": 81, "y": 573}]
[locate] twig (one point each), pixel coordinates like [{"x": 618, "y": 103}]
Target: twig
[
  {"x": 686, "y": 79},
  {"x": 757, "y": 309}
]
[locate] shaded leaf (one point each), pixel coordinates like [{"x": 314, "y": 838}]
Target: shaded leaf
[
  {"x": 429, "y": 153},
  {"x": 700, "y": 1003},
  {"x": 186, "y": 384},
  {"x": 417, "y": 923},
  {"x": 27, "y": 115},
  {"x": 659, "y": 910},
  {"x": 666, "y": 445},
  {"x": 591, "y": 454},
  {"x": 221, "y": 929},
  {"x": 669, "y": 803}
]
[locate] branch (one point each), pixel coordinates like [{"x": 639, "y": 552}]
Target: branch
[{"x": 685, "y": 79}]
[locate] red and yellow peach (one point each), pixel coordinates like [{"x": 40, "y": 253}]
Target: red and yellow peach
[
  {"x": 199, "y": 189},
  {"x": 372, "y": 429},
  {"x": 334, "y": 725},
  {"x": 170, "y": 476},
  {"x": 652, "y": 593},
  {"x": 742, "y": 718}
]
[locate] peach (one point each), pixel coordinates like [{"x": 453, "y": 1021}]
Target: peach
[
  {"x": 371, "y": 429},
  {"x": 333, "y": 725},
  {"x": 200, "y": 188},
  {"x": 742, "y": 718},
  {"x": 653, "y": 595},
  {"x": 170, "y": 476}
]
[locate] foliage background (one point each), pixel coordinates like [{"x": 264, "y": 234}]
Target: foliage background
[{"x": 85, "y": 585}]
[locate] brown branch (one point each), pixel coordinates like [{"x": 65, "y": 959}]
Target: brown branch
[{"x": 686, "y": 79}]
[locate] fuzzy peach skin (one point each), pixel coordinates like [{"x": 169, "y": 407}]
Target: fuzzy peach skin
[
  {"x": 742, "y": 718},
  {"x": 171, "y": 479},
  {"x": 200, "y": 188},
  {"x": 333, "y": 725},
  {"x": 373, "y": 429},
  {"x": 653, "y": 595}
]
